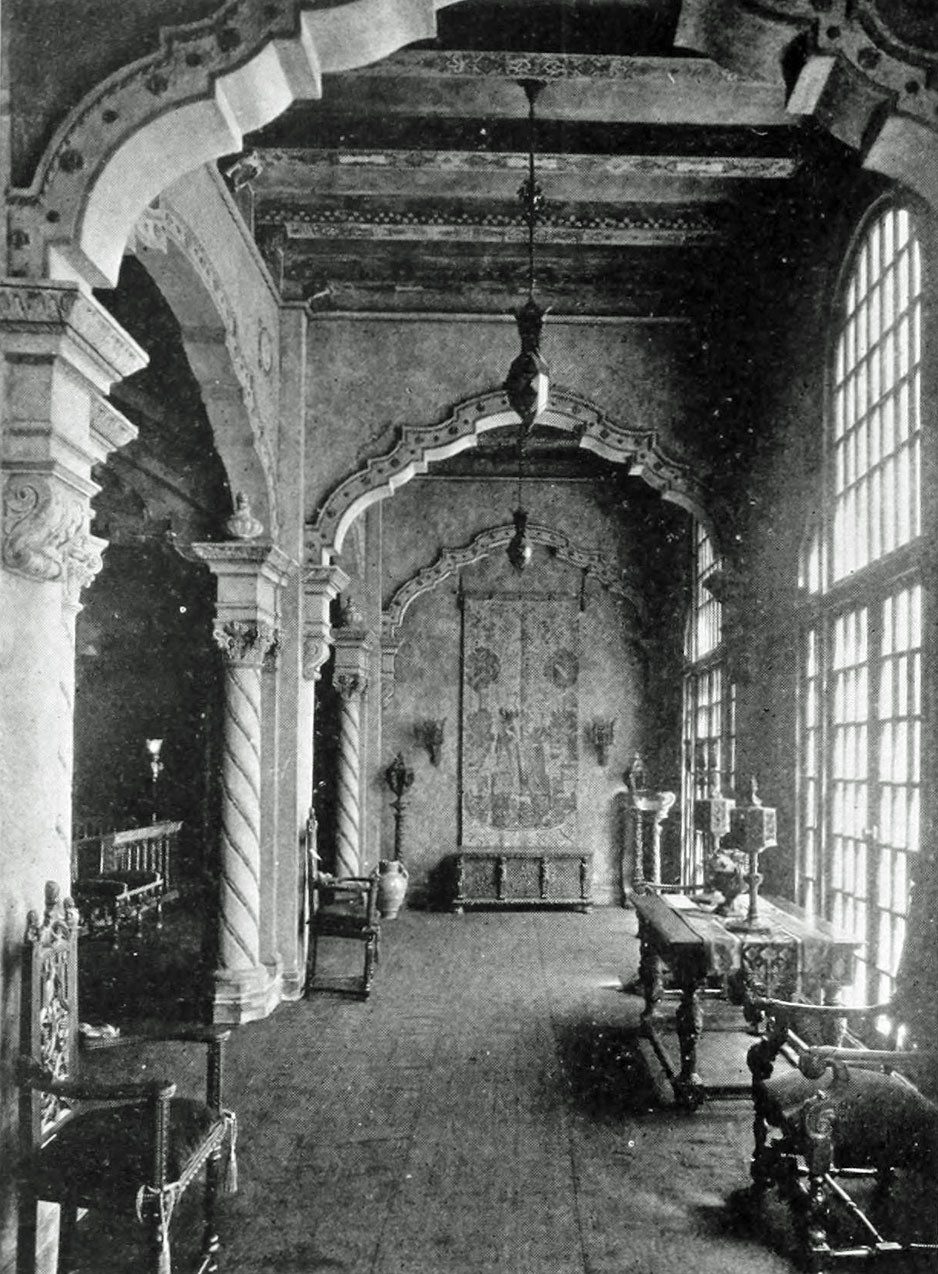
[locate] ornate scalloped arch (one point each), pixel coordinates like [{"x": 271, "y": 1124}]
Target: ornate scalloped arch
[
  {"x": 187, "y": 103},
  {"x": 490, "y": 541},
  {"x": 639, "y": 450}
]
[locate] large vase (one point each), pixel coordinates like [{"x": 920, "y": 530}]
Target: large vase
[{"x": 392, "y": 887}]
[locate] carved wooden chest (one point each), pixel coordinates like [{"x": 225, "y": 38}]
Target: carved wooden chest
[{"x": 522, "y": 878}]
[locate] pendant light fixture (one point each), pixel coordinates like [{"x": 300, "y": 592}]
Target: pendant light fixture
[{"x": 527, "y": 383}]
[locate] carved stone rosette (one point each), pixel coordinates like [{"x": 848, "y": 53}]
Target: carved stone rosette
[
  {"x": 351, "y": 687},
  {"x": 244, "y": 645}
]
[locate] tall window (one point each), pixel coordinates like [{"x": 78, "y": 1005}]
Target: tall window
[
  {"x": 709, "y": 731},
  {"x": 860, "y": 716}
]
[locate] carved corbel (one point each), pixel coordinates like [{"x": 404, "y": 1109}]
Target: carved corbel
[
  {"x": 321, "y": 585},
  {"x": 389, "y": 649}
]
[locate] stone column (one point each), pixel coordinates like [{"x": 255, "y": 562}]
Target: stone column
[
  {"x": 60, "y": 354},
  {"x": 249, "y": 575},
  {"x": 350, "y": 681}
]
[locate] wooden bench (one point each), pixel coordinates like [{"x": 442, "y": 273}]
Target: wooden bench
[{"x": 118, "y": 876}]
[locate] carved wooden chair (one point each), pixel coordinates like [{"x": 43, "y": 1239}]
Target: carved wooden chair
[
  {"x": 137, "y": 1146},
  {"x": 345, "y": 908},
  {"x": 843, "y": 1132}
]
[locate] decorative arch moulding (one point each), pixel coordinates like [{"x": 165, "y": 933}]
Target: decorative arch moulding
[
  {"x": 188, "y": 102},
  {"x": 209, "y": 82},
  {"x": 451, "y": 560},
  {"x": 638, "y": 450},
  {"x": 251, "y": 359}
]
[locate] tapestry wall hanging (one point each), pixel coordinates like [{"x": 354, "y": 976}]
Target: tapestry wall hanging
[{"x": 519, "y": 722}]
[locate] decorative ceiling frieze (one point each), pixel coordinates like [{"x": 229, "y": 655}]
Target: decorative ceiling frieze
[
  {"x": 511, "y": 65},
  {"x": 594, "y": 226},
  {"x": 286, "y": 168}
]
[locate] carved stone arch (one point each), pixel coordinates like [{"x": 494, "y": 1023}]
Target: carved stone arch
[
  {"x": 187, "y": 103},
  {"x": 866, "y": 71},
  {"x": 490, "y": 541},
  {"x": 182, "y": 269},
  {"x": 640, "y": 451}
]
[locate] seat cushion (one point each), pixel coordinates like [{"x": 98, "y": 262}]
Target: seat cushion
[
  {"x": 105, "y": 1154},
  {"x": 880, "y": 1120}
]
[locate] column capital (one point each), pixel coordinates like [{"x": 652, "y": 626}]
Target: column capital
[
  {"x": 45, "y": 533},
  {"x": 244, "y": 643},
  {"x": 350, "y": 685}
]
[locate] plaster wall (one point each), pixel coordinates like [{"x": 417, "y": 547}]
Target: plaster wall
[
  {"x": 615, "y": 679},
  {"x": 370, "y": 376}
]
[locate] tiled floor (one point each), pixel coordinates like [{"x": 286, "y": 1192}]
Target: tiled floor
[{"x": 487, "y": 1111}]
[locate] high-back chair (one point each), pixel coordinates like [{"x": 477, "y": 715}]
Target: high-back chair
[
  {"x": 136, "y": 1146},
  {"x": 842, "y": 1131},
  {"x": 345, "y": 908}
]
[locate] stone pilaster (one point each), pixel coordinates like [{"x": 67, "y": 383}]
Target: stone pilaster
[
  {"x": 249, "y": 576},
  {"x": 321, "y": 586}
]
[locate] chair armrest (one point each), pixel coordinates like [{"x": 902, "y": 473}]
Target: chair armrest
[
  {"x": 178, "y": 1032},
  {"x": 213, "y": 1037},
  {"x": 791, "y": 1008},
  {"x": 817, "y": 1058},
  {"x": 33, "y": 1076}
]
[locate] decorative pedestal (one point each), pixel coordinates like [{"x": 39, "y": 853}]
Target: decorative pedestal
[{"x": 648, "y": 811}]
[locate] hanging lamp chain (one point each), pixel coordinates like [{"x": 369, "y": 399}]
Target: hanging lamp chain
[{"x": 529, "y": 192}]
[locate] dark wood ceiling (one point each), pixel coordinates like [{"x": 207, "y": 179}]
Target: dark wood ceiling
[{"x": 398, "y": 189}]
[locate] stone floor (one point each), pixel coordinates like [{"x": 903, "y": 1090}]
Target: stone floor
[{"x": 487, "y": 1111}]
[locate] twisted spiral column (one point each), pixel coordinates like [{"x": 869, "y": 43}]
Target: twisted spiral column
[
  {"x": 351, "y": 688},
  {"x": 244, "y": 645}
]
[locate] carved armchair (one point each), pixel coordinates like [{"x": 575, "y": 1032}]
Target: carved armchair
[
  {"x": 842, "y": 1132},
  {"x": 345, "y": 909},
  {"x": 137, "y": 1146}
]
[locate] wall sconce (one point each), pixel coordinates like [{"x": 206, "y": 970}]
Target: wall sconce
[
  {"x": 600, "y": 733},
  {"x": 429, "y": 735}
]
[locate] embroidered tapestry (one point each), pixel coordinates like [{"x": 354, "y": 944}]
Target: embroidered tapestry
[{"x": 519, "y": 722}]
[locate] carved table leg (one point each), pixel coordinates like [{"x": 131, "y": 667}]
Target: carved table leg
[
  {"x": 649, "y": 972},
  {"x": 688, "y": 1087}
]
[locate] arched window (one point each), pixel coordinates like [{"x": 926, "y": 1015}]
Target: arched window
[
  {"x": 860, "y": 708},
  {"x": 709, "y": 727}
]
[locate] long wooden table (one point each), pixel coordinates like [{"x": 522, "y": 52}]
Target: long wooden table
[{"x": 793, "y": 957}]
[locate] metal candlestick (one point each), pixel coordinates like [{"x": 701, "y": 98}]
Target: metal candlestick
[
  {"x": 754, "y": 828},
  {"x": 399, "y": 778}
]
